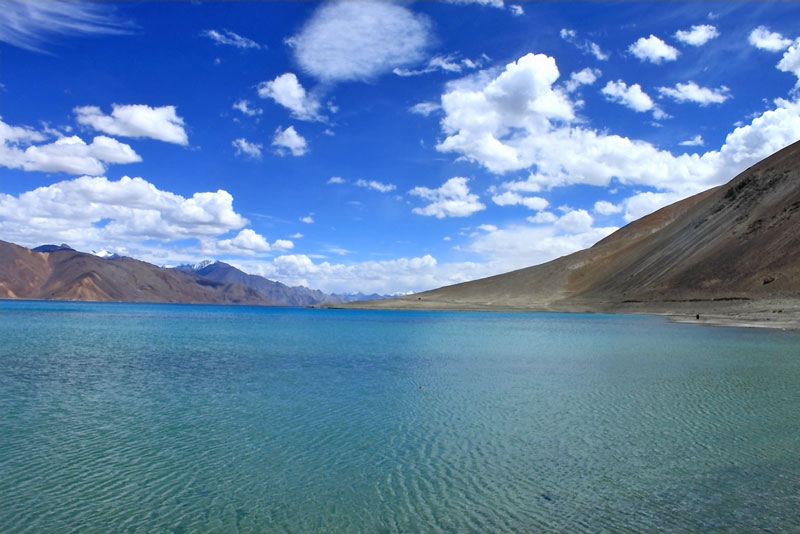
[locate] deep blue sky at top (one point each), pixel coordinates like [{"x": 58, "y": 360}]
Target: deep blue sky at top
[{"x": 160, "y": 54}]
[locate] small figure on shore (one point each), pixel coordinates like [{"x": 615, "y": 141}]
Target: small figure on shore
[{"x": 697, "y": 316}]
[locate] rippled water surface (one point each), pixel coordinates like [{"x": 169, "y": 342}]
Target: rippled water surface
[{"x": 174, "y": 418}]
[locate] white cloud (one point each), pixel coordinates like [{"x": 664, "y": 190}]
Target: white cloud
[
  {"x": 452, "y": 199},
  {"x": 585, "y": 45},
  {"x": 543, "y": 217},
  {"x": 359, "y": 40},
  {"x": 653, "y": 49},
  {"x": 586, "y": 76},
  {"x": 697, "y": 140},
  {"x": 505, "y": 127},
  {"x": 308, "y": 219},
  {"x": 485, "y": 118},
  {"x": 67, "y": 154},
  {"x": 697, "y": 35},
  {"x": 19, "y": 134},
  {"x": 631, "y": 97},
  {"x": 296, "y": 235},
  {"x": 764, "y": 39},
  {"x": 790, "y": 62},
  {"x": 516, "y": 10},
  {"x": 490, "y": 3},
  {"x": 575, "y": 221},
  {"x": 248, "y": 242},
  {"x": 691, "y": 92},
  {"x": 604, "y": 207},
  {"x": 247, "y": 148},
  {"x": 336, "y": 180},
  {"x": 387, "y": 276},
  {"x": 441, "y": 63},
  {"x": 244, "y": 107},
  {"x": 375, "y": 185},
  {"x": 425, "y": 108},
  {"x": 287, "y": 91},
  {"x": 510, "y": 198},
  {"x": 136, "y": 121},
  {"x": 291, "y": 140},
  {"x": 518, "y": 246},
  {"x": 227, "y": 37},
  {"x": 94, "y": 213},
  {"x": 645, "y": 203},
  {"x": 29, "y": 25}
]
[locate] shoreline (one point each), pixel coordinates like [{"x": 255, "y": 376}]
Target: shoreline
[{"x": 775, "y": 314}]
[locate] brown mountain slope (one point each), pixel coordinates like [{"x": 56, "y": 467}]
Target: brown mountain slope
[
  {"x": 737, "y": 243},
  {"x": 71, "y": 275}
]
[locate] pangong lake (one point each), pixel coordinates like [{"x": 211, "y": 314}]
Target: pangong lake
[{"x": 165, "y": 418}]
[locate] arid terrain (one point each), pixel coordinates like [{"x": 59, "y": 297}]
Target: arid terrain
[{"x": 730, "y": 254}]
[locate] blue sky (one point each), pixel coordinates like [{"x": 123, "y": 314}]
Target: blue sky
[{"x": 380, "y": 146}]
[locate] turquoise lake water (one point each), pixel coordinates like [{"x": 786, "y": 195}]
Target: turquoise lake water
[{"x": 177, "y": 419}]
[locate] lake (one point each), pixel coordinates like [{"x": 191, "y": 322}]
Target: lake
[{"x": 180, "y": 418}]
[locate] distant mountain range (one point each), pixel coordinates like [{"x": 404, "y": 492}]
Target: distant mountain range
[
  {"x": 733, "y": 246},
  {"x": 58, "y": 272},
  {"x": 287, "y": 296}
]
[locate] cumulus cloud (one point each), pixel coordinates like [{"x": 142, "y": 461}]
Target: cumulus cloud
[
  {"x": 387, "y": 276},
  {"x": 586, "y": 76},
  {"x": 697, "y": 140},
  {"x": 604, "y": 207},
  {"x": 290, "y": 140},
  {"x": 653, "y": 49},
  {"x": 517, "y": 246},
  {"x": 452, "y": 199},
  {"x": 71, "y": 154},
  {"x": 631, "y": 97},
  {"x": 249, "y": 242},
  {"x": 500, "y": 121},
  {"x": 764, "y": 39},
  {"x": 244, "y": 107},
  {"x": 308, "y": 219},
  {"x": 336, "y": 180},
  {"x": 360, "y": 40},
  {"x": 486, "y": 118},
  {"x": 227, "y": 37},
  {"x": 510, "y": 198},
  {"x": 244, "y": 147},
  {"x": 287, "y": 91},
  {"x": 375, "y": 185},
  {"x": 790, "y": 62},
  {"x": 585, "y": 45},
  {"x": 691, "y": 92},
  {"x": 697, "y": 35},
  {"x": 93, "y": 213},
  {"x": 136, "y": 121},
  {"x": 30, "y": 25}
]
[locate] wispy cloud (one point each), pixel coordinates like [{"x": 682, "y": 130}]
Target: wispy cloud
[
  {"x": 227, "y": 37},
  {"x": 32, "y": 25}
]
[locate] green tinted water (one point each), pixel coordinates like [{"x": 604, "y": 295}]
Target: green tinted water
[{"x": 173, "y": 418}]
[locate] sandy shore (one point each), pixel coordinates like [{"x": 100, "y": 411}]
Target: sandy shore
[{"x": 779, "y": 313}]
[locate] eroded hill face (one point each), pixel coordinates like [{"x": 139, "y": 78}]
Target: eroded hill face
[
  {"x": 740, "y": 241},
  {"x": 70, "y": 275}
]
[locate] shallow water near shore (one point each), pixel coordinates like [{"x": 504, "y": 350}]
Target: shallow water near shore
[{"x": 180, "y": 418}]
